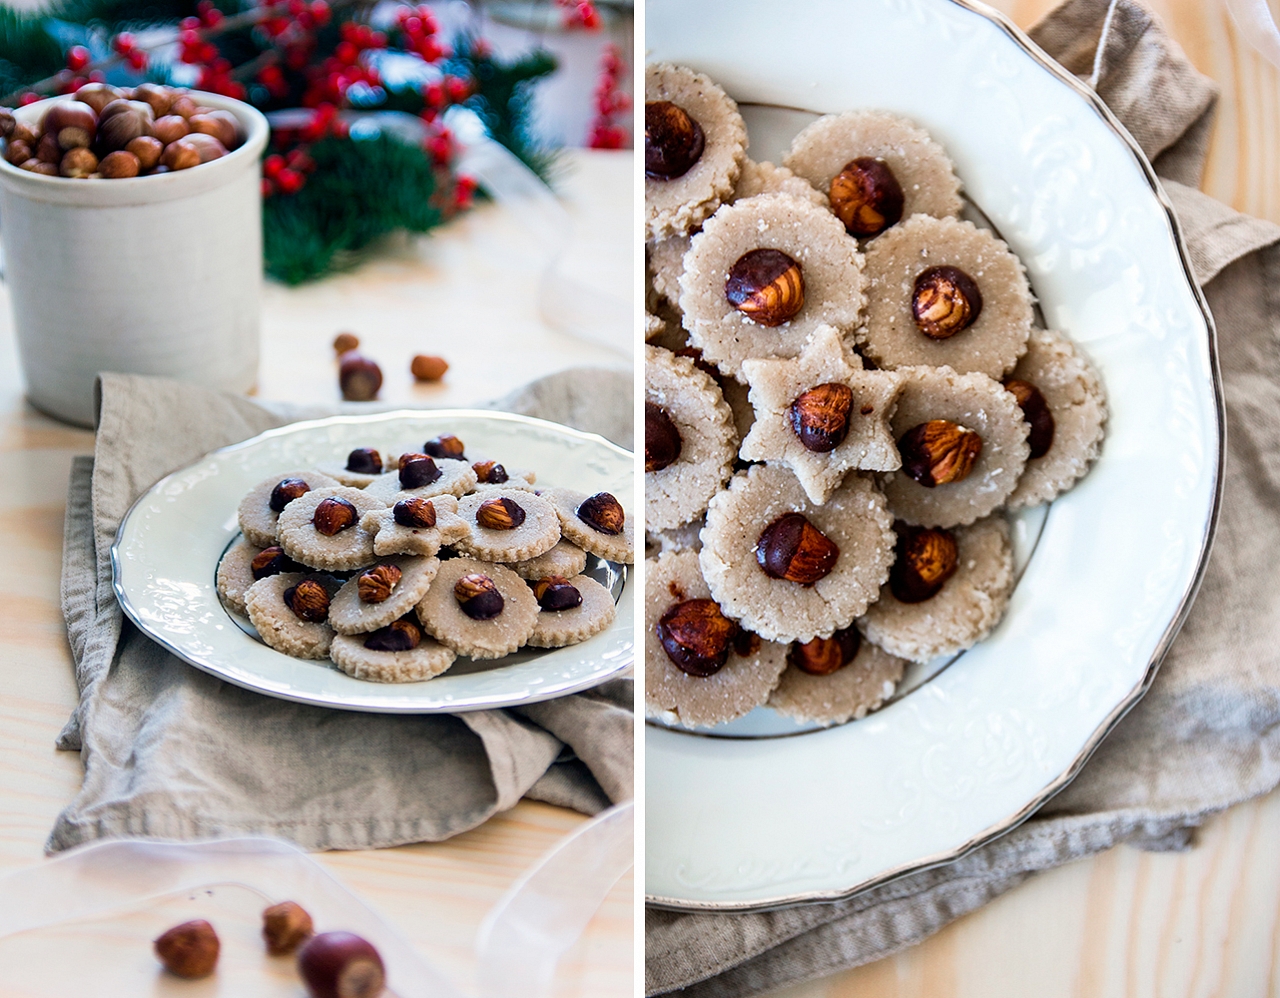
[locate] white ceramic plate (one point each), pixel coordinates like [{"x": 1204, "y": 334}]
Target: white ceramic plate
[
  {"x": 168, "y": 546},
  {"x": 735, "y": 824}
]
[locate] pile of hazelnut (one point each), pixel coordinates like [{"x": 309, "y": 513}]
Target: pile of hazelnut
[{"x": 112, "y": 133}]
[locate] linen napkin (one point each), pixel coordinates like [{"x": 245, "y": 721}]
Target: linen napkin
[
  {"x": 1207, "y": 735},
  {"x": 172, "y": 752}
]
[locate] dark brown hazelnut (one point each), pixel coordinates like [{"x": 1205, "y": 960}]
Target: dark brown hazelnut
[
  {"x": 208, "y": 146},
  {"x": 345, "y": 343},
  {"x": 555, "y": 593},
  {"x": 364, "y": 461},
  {"x": 926, "y": 559},
  {"x": 7, "y": 122},
  {"x": 39, "y": 166},
  {"x": 820, "y": 417},
  {"x": 341, "y": 965},
  {"x": 400, "y": 635},
  {"x": 184, "y": 106},
  {"x": 78, "y": 163},
  {"x": 696, "y": 636},
  {"x": 414, "y": 512},
  {"x": 97, "y": 95},
  {"x": 823, "y": 656},
  {"x": 180, "y": 155},
  {"x": 334, "y": 515},
  {"x": 417, "y": 470},
  {"x": 490, "y": 472},
  {"x": 309, "y": 601},
  {"x": 359, "y": 377},
  {"x": 866, "y": 196},
  {"x": 1035, "y": 411},
  {"x": 160, "y": 98},
  {"x": 794, "y": 549},
  {"x": 170, "y": 128},
  {"x": 766, "y": 286},
  {"x": 119, "y": 165},
  {"x": 286, "y": 491},
  {"x": 500, "y": 513},
  {"x": 938, "y": 452},
  {"x": 48, "y": 150},
  {"x": 222, "y": 125},
  {"x": 285, "y": 927},
  {"x": 428, "y": 368},
  {"x": 148, "y": 149},
  {"x": 374, "y": 585},
  {"x": 446, "y": 446},
  {"x": 272, "y": 561},
  {"x": 24, "y": 131},
  {"x": 662, "y": 441},
  {"x": 189, "y": 950},
  {"x": 673, "y": 140},
  {"x": 945, "y": 301},
  {"x": 18, "y": 152},
  {"x": 72, "y": 124},
  {"x": 478, "y": 596},
  {"x": 121, "y": 122},
  {"x": 602, "y": 513}
]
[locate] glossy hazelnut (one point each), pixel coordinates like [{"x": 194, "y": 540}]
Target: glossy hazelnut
[
  {"x": 364, "y": 461},
  {"x": 662, "y": 441},
  {"x": 820, "y": 416},
  {"x": 926, "y": 559},
  {"x": 272, "y": 561},
  {"x": 414, "y": 512},
  {"x": 490, "y": 472},
  {"x": 945, "y": 301},
  {"x": 121, "y": 122},
  {"x": 208, "y": 146},
  {"x": 602, "y": 513},
  {"x": 285, "y": 927},
  {"x": 417, "y": 470},
  {"x": 334, "y": 515},
  {"x": 170, "y": 128},
  {"x": 555, "y": 593},
  {"x": 345, "y": 343},
  {"x": 159, "y": 98},
  {"x": 184, "y": 106},
  {"x": 673, "y": 140},
  {"x": 1035, "y": 411},
  {"x": 189, "y": 950},
  {"x": 119, "y": 165},
  {"x": 48, "y": 150},
  {"x": 341, "y": 965},
  {"x": 445, "y": 446},
  {"x": 180, "y": 155},
  {"x": 478, "y": 596},
  {"x": 500, "y": 513},
  {"x": 72, "y": 124},
  {"x": 938, "y": 452},
  {"x": 400, "y": 635},
  {"x": 766, "y": 286},
  {"x": 358, "y": 376},
  {"x": 428, "y": 368},
  {"x": 18, "y": 151},
  {"x": 374, "y": 585},
  {"x": 823, "y": 656},
  {"x": 309, "y": 601},
  {"x": 696, "y": 636},
  {"x": 866, "y": 196},
  {"x": 97, "y": 95},
  {"x": 794, "y": 549},
  {"x": 222, "y": 125},
  {"x": 78, "y": 163},
  {"x": 287, "y": 490},
  {"x": 147, "y": 149}
]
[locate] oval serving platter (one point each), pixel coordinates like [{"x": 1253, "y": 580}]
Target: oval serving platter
[
  {"x": 736, "y": 824},
  {"x": 168, "y": 546}
]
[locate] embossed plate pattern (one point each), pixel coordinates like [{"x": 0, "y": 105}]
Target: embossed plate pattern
[
  {"x": 745, "y": 824},
  {"x": 168, "y": 547}
]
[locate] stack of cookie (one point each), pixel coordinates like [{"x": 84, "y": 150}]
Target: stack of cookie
[
  {"x": 392, "y": 568},
  {"x": 845, "y": 393}
]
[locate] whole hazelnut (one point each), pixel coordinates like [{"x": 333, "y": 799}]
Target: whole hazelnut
[
  {"x": 820, "y": 416},
  {"x": 309, "y": 601},
  {"x": 184, "y": 106},
  {"x": 866, "y": 196},
  {"x": 673, "y": 140},
  {"x": 478, "y": 596},
  {"x": 160, "y": 98},
  {"x": 417, "y": 470},
  {"x": 375, "y": 585},
  {"x": 97, "y": 95},
  {"x": 1035, "y": 412},
  {"x": 823, "y": 656},
  {"x": 938, "y": 452},
  {"x": 427, "y": 368},
  {"x": 333, "y": 515},
  {"x": 285, "y": 927},
  {"x": 272, "y": 561},
  {"x": 170, "y": 128},
  {"x": 415, "y": 512},
  {"x": 119, "y": 165},
  {"x": 766, "y": 286},
  {"x": 500, "y": 513},
  {"x": 400, "y": 635},
  {"x": 696, "y": 636},
  {"x": 287, "y": 490},
  {"x": 359, "y": 377},
  {"x": 926, "y": 559},
  {"x": 793, "y": 549},
  {"x": 945, "y": 301},
  {"x": 207, "y": 146},
  {"x": 180, "y": 155},
  {"x": 602, "y": 513},
  {"x": 662, "y": 440},
  {"x": 120, "y": 122},
  {"x": 34, "y": 165},
  {"x": 147, "y": 149},
  {"x": 345, "y": 342},
  {"x": 555, "y": 593},
  {"x": 18, "y": 152},
  {"x": 446, "y": 446},
  {"x": 490, "y": 472},
  {"x": 341, "y": 965},
  {"x": 72, "y": 124},
  {"x": 24, "y": 131},
  {"x": 364, "y": 461},
  {"x": 222, "y": 125},
  {"x": 7, "y": 122},
  {"x": 78, "y": 163},
  {"x": 189, "y": 950},
  {"x": 48, "y": 150}
]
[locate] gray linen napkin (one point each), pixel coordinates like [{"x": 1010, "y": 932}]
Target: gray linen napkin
[
  {"x": 1207, "y": 735},
  {"x": 170, "y": 751}
]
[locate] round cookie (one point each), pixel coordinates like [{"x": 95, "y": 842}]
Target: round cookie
[
  {"x": 829, "y": 263},
  {"x": 258, "y": 521},
  {"x": 963, "y": 612},
  {"x": 666, "y": 264},
  {"x": 536, "y": 535},
  {"x": 694, "y": 404},
  {"x": 456, "y": 479},
  {"x": 849, "y": 693},
  {"x": 675, "y": 206},
  {"x": 619, "y": 547},
  {"x": 278, "y": 625},
  {"x": 426, "y": 661},
  {"x": 919, "y": 164},
  {"x": 854, "y": 519},
  {"x": 557, "y": 628},
  {"x": 235, "y": 574},
  {"x": 1078, "y": 404},
  {"x": 766, "y": 178},
  {"x": 347, "y": 549},
  {"x": 979, "y": 404},
  {"x": 991, "y": 344},
  {"x": 443, "y": 618},
  {"x": 349, "y": 614},
  {"x": 390, "y": 537},
  {"x": 564, "y": 559},
  {"x": 743, "y": 683}
]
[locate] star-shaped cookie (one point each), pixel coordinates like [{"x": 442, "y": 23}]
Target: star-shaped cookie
[
  {"x": 821, "y": 415},
  {"x": 391, "y": 537}
]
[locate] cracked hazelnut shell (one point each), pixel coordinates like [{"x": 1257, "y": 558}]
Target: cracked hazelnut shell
[
  {"x": 945, "y": 301},
  {"x": 938, "y": 452},
  {"x": 794, "y": 549},
  {"x": 766, "y": 286},
  {"x": 696, "y": 636},
  {"x": 926, "y": 558},
  {"x": 820, "y": 416}
]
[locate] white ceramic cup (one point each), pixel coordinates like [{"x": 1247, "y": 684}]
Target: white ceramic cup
[{"x": 152, "y": 275}]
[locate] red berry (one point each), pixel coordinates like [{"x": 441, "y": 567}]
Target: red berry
[
  {"x": 137, "y": 59},
  {"x": 272, "y": 165},
  {"x": 29, "y": 98},
  {"x": 123, "y": 43},
  {"x": 77, "y": 58},
  {"x": 290, "y": 181}
]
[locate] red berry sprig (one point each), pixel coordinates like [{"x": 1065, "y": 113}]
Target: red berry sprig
[{"x": 609, "y": 128}]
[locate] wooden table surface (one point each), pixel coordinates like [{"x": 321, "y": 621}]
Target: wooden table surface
[
  {"x": 432, "y": 295},
  {"x": 1129, "y": 924}
]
